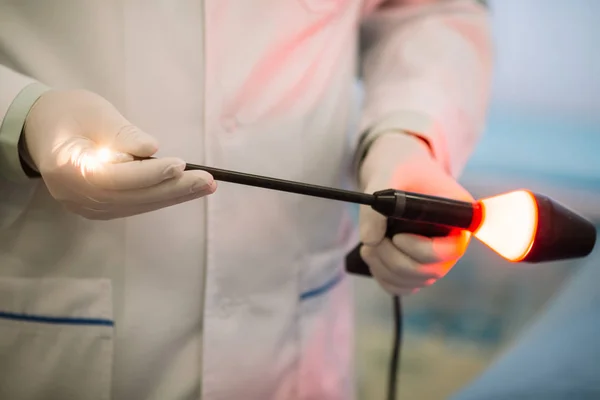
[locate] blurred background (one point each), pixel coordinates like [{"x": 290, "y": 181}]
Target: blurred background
[{"x": 543, "y": 133}]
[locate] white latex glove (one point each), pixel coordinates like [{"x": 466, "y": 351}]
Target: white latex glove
[
  {"x": 408, "y": 262},
  {"x": 63, "y": 132}
]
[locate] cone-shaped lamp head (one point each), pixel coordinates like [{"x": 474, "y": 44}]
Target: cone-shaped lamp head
[{"x": 523, "y": 226}]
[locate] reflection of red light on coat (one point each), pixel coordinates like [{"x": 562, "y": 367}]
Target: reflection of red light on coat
[{"x": 325, "y": 368}]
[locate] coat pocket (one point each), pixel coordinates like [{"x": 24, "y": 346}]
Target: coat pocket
[{"x": 56, "y": 338}]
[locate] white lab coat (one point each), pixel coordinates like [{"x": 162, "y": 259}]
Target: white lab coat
[{"x": 241, "y": 295}]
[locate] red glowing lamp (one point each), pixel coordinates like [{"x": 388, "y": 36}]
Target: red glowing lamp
[
  {"x": 520, "y": 226},
  {"x": 509, "y": 224},
  {"x": 523, "y": 226}
]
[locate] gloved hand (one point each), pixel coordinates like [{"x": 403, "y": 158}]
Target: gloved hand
[
  {"x": 408, "y": 262},
  {"x": 63, "y": 132}
]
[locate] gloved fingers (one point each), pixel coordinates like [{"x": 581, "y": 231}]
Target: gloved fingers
[
  {"x": 401, "y": 267},
  {"x": 190, "y": 182},
  {"x": 172, "y": 192},
  {"x": 135, "y": 174},
  {"x": 426, "y": 250},
  {"x": 398, "y": 291},
  {"x": 129, "y": 211},
  {"x": 383, "y": 276},
  {"x": 401, "y": 264},
  {"x": 399, "y": 278}
]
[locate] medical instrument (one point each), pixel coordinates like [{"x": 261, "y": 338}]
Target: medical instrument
[{"x": 521, "y": 226}]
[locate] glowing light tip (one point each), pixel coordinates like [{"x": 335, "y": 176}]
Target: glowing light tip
[
  {"x": 509, "y": 224},
  {"x": 90, "y": 161},
  {"x": 104, "y": 155}
]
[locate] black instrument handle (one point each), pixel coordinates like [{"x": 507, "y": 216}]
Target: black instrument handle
[{"x": 356, "y": 265}]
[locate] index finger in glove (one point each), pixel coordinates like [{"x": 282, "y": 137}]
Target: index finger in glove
[
  {"x": 199, "y": 182},
  {"x": 135, "y": 174}
]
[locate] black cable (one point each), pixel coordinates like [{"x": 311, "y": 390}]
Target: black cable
[{"x": 396, "y": 347}]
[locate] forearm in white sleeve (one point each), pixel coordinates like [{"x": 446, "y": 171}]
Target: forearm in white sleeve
[
  {"x": 426, "y": 69},
  {"x": 18, "y": 93}
]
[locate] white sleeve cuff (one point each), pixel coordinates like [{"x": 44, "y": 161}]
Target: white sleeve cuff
[
  {"x": 407, "y": 122},
  {"x": 12, "y": 126}
]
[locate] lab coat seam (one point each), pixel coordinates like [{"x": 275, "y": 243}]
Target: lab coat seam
[
  {"x": 204, "y": 264},
  {"x": 118, "y": 294},
  {"x": 298, "y": 344},
  {"x": 107, "y": 372},
  {"x": 300, "y": 258},
  {"x": 298, "y": 322}
]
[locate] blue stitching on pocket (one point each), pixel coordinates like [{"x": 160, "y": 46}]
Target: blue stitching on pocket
[
  {"x": 56, "y": 320},
  {"x": 326, "y": 287}
]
